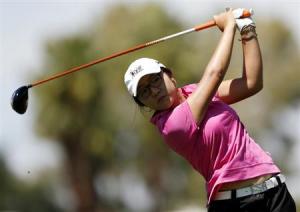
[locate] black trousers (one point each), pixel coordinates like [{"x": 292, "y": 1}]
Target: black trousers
[{"x": 277, "y": 199}]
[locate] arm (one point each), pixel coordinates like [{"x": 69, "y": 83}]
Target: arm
[
  {"x": 216, "y": 68},
  {"x": 251, "y": 82}
]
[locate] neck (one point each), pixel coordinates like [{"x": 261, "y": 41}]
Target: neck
[{"x": 180, "y": 97}]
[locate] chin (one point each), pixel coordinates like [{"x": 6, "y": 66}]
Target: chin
[{"x": 168, "y": 103}]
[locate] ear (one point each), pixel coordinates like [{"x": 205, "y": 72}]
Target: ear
[{"x": 174, "y": 81}]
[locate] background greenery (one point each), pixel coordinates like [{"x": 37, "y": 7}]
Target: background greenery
[{"x": 107, "y": 142}]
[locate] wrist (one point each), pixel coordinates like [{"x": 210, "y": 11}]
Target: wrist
[
  {"x": 230, "y": 27},
  {"x": 248, "y": 33},
  {"x": 248, "y": 29}
]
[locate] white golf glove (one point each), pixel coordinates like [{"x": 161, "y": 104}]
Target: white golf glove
[{"x": 242, "y": 22}]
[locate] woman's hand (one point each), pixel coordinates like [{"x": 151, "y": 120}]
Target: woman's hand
[{"x": 225, "y": 19}]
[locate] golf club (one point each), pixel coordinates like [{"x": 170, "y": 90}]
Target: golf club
[{"x": 19, "y": 99}]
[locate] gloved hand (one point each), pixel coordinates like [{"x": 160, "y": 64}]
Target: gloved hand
[{"x": 242, "y": 22}]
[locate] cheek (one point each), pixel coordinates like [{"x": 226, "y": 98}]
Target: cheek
[
  {"x": 172, "y": 93},
  {"x": 170, "y": 85},
  {"x": 172, "y": 90}
]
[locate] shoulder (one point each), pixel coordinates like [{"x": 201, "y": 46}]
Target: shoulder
[
  {"x": 190, "y": 88},
  {"x": 178, "y": 119}
]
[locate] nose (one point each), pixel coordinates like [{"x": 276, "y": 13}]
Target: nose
[{"x": 154, "y": 91}]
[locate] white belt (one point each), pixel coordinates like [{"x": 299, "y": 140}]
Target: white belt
[{"x": 251, "y": 190}]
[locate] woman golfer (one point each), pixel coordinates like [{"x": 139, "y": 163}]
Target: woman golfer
[{"x": 197, "y": 123}]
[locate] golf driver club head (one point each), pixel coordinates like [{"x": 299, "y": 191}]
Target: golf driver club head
[{"x": 19, "y": 99}]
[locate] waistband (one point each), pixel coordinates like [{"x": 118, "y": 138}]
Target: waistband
[{"x": 251, "y": 190}]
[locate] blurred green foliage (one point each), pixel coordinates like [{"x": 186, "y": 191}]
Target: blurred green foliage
[
  {"x": 15, "y": 195},
  {"x": 91, "y": 115}
]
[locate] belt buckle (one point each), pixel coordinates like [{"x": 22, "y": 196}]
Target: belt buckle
[{"x": 259, "y": 188}]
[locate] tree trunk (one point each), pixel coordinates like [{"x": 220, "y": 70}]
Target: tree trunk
[{"x": 79, "y": 173}]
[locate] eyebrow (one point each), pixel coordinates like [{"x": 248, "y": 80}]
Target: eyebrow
[{"x": 150, "y": 77}]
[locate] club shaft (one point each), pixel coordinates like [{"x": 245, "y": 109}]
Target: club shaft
[{"x": 141, "y": 46}]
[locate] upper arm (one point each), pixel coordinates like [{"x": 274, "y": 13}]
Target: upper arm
[
  {"x": 251, "y": 81},
  {"x": 234, "y": 90}
]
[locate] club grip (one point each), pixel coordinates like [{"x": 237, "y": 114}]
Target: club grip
[
  {"x": 247, "y": 13},
  {"x": 211, "y": 23}
]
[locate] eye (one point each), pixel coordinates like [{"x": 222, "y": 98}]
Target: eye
[
  {"x": 156, "y": 80},
  {"x": 144, "y": 92}
]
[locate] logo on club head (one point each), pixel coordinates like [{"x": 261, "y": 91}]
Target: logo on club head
[{"x": 135, "y": 71}]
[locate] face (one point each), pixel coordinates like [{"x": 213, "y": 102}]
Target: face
[{"x": 157, "y": 91}]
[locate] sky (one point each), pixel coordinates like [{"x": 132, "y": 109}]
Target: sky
[{"x": 25, "y": 26}]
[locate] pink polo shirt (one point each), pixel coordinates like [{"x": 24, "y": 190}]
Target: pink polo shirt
[{"x": 219, "y": 148}]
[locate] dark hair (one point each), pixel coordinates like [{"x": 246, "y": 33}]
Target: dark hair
[{"x": 163, "y": 69}]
